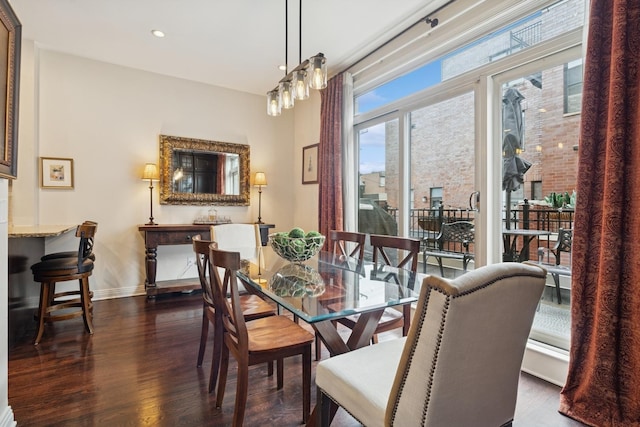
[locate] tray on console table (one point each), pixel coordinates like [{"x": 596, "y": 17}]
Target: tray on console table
[{"x": 168, "y": 234}]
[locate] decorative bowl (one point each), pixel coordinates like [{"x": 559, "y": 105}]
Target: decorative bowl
[
  {"x": 296, "y": 249},
  {"x": 297, "y": 280}
]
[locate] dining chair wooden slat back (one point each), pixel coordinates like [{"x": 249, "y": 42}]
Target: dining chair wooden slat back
[
  {"x": 257, "y": 341},
  {"x": 339, "y": 244},
  {"x": 391, "y": 318},
  {"x": 381, "y": 244}
]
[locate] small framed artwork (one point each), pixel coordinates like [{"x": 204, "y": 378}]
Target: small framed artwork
[
  {"x": 56, "y": 173},
  {"x": 310, "y": 164}
]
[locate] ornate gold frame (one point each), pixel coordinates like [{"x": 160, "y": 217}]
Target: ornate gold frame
[
  {"x": 10, "y": 40},
  {"x": 168, "y": 197}
]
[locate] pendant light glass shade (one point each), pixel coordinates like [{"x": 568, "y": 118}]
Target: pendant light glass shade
[
  {"x": 318, "y": 79},
  {"x": 301, "y": 84},
  {"x": 286, "y": 94},
  {"x": 274, "y": 106}
]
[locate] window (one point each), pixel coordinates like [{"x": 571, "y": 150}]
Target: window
[
  {"x": 572, "y": 86},
  {"x": 536, "y": 190},
  {"x": 436, "y": 196}
]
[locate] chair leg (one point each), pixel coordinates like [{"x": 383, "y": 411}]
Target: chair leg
[
  {"x": 441, "y": 267},
  {"x": 216, "y": 357},
  {"x": 306, "y": 383},
  {"x": 222, "y": 379},
  {"x": 241, "y": 393},
  {"x": 86, "y": 305},
  {"x": 556, "y": 280},
  {"x": 318, "y": 347},
  {"x": 42, "y": 310},
  {"x": 204, "y": 333},
  {"x": 327, "y": 409},
  {"x": 280, "y": 373}
]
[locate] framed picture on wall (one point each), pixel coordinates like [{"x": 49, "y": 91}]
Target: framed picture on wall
[
  {"x": 10, "y": 44},
  {"x": 310, "y": 164},
  {"x": 56, "y": 173}
]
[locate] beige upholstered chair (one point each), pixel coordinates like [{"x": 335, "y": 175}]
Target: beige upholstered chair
[
  {"x": 242, "y": 238},
  {"x": 458, "y": 366}
]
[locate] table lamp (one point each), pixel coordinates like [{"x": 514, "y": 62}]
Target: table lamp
[
  {"x": 151, "y": 173},
  {"x": 260, "y": 180}
]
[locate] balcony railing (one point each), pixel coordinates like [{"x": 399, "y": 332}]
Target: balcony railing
[{"x": 425, "y": 223}]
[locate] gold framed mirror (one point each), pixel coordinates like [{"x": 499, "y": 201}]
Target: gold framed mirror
[{"x": 201, "y": 172}]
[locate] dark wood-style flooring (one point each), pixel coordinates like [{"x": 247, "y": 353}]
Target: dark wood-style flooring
[{"x": 139, "y": 369}]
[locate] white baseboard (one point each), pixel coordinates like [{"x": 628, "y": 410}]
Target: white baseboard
[
  {"x": 6, "y": 418},
  {"x": 545, "y": 362}
]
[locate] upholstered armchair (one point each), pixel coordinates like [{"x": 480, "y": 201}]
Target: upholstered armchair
[{"x": 458, "y": 366}]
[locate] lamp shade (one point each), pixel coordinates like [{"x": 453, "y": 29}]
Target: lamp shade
[
  {"x": 318, "y": 79},
  {"x": 260, "y": 180},
  {"x": 274, "y": 104},
  {"x": 286, "y": 94},
  {"x": 301, "y": 84},
  {"x": 151, "y": 172}
]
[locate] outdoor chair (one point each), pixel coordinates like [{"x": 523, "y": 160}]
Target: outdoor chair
[
  {"x": 452, "y": 242},
  {"x": 458, "y": 366},
  {"x": 563, "y": 244}
]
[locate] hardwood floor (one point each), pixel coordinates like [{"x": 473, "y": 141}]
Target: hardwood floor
[{"x": 139, "y": 369}]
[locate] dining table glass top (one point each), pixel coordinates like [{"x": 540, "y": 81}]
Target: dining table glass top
[{"x": 327, "y": 287}]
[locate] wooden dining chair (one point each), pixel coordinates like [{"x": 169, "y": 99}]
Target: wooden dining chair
[
  {"x": 383, "y": 255},
  {"x": 253, "y": 307},
  {"x": 257, "y": 341},
  {"x": 345, "y": 246}
]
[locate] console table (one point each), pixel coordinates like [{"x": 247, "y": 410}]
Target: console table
[{"x": 174, "y": 234}]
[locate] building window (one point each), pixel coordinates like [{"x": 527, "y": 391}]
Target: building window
[
  {"x": 436, "y": 196},
  {"x": 536, "y": 190},
  {"x": 572, "y": 86}
]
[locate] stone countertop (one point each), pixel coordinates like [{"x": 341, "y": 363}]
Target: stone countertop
[{"x": 38, "y": 230}]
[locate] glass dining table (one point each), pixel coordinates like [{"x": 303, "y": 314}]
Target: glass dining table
[{"x": 326, "y": 288}]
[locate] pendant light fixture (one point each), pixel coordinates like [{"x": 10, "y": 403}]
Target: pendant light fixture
[{"x": 295, "y": 85}]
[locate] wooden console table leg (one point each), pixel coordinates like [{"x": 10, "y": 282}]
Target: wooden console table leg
[{"x": 151, "y": 266}]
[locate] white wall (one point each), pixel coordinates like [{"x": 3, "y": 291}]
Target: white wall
[
  {"x": 107, "y": 118},
  {"x": 307, "y": 132}
]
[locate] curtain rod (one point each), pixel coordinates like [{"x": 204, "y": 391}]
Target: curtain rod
[{"x": 421, "y": 20}]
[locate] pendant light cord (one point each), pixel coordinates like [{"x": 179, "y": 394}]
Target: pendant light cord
[
  {"x": 286, "y": 37},
  {"x": 300, "y": 35}
]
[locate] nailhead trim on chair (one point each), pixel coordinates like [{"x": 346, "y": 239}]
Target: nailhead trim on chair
[{"x": 439, "y": 340}]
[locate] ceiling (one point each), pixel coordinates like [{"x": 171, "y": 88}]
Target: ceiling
[{"x": 236, "y": 44}]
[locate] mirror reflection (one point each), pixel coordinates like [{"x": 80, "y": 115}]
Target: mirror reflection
[{"x": 200, "y": 172}]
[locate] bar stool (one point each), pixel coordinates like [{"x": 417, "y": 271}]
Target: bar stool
[
  {"x": 72, "y": 254},
  {"x": 52, "y": 271}
]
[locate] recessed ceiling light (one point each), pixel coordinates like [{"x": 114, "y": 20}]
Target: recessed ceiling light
[
  {"x": 157, "y": 33},
  {"x": 282, "y": 67}
]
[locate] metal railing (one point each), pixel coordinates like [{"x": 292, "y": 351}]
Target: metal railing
[{"x": 425, "y": 223}]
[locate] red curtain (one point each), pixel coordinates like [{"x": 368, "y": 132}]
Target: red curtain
[
  {"x": 330, "y": 214},
  {"x": 221, "y": 174},
  {"x": 603, "y": 384}
]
